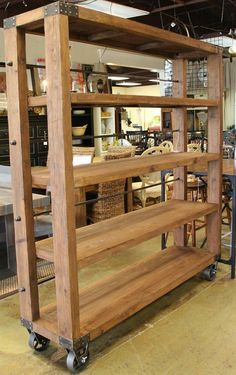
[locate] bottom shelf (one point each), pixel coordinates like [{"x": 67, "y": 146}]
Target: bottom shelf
[{"x": 115, "y": 298}]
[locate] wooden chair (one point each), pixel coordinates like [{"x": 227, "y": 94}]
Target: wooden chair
[
  {"x": 167, "y": 144},
  {"x": 138, "y": 139},
  {"x": 194, "y": 147},
  {"x": 110, "y": 195},
  {"x": 146, "y": 190}
]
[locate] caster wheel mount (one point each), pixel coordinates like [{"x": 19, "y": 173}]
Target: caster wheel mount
[
  {"x": 38, "y": 342},
  {"x": 77, "y": 362},
  {"x": 209, "y": 273}
]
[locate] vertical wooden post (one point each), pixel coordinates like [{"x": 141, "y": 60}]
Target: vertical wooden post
[
  {"x": 61, "y": 174},
  {"x": 215, "y": 120},
  {"x": 179, "y": 123},
  {"x": 18, "y": 121}
]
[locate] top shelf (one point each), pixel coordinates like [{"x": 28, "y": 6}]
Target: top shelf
[
  {"x": 114, "y": 100},
  {"x": 98, "y": 28}
]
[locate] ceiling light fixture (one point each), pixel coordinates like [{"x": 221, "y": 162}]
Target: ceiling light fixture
[
  {"x": 109, "y": 7},
  {"x": 117, "y": 78},
  {"x": 129, "y": 84}
]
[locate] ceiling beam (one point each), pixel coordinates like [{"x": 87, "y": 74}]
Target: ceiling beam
[{"x": 174, "y": 6}]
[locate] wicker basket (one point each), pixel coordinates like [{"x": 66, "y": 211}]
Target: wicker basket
[{"x": 111, "y": 204}]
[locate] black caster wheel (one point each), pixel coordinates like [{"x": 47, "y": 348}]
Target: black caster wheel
[
  {"x": 77, "y": 362},
  {"x": 209, "y": 273},
  {"x": 38, "y": 342}
]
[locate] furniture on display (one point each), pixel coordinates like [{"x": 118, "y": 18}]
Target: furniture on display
[
  {"x": 110, "y": 194},
  {"x": 138, "y": 139},
  {"x": 104, "y": 124},
  {"x": 148, "y": 186},
  {"x": 80, "y": 315},
  {"x": 167, "y": 144},
  {"x": 38, "y": 139},
  {"x": 194, "y": 147},
  {"x": 6, "y": 213}
]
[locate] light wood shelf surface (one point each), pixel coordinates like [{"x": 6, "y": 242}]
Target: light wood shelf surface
[
  {"x": 111, "y": 170},
  {"x": 116, "y": 297},
  {"x": 98, "y": 28},
  {"x": 114, "y": 100},
  {"x": 137, "y": 226}
]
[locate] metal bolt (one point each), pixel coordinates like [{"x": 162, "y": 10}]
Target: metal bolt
[
  {"x": 13, "y": 143},
  {"x": 21, "y": 290},
  {"x": 9, "y": 63},
  {"x": 18, "y": 218}
]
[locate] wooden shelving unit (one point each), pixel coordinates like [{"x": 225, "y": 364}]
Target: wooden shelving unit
[{"x": 80, "y": 315}]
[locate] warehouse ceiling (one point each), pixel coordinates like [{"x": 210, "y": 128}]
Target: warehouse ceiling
[{"x": 197, "y": 18}]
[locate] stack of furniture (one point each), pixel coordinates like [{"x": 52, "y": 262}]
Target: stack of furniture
[{"x": 80, "y": 315}]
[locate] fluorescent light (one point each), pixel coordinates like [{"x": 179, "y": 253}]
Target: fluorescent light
[
  {"x": 128, "y": 84},
  {"x": 154, "y": 80},
  {"x": 117, "y": 78},
  {"x": 108, "y": 7}
]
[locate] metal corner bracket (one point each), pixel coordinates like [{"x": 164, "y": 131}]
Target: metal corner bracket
[
  {"x": 27, "y": 324},
  {"x": 8, "y": 23},
  {"x": 73, "y": 345},
  {"x": 60, "y": 7}
]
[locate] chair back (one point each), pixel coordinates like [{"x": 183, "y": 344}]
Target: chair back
[
  {"x": 168, "y": 145},
  {"x": 154, "y": 177},
  {"x": 138, "y": 139},
  {"x": 194, "y": 147}
]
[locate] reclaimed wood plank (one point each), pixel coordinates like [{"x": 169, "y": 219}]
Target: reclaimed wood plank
[
  {"x": 61, "y": 174},
  {"x": 110, "y": 170},
  {"x": 215, "y": 126},
  {"x": 114, "y": 100},
  {"x": 179, "y": 125},
  {"x": 134, "y": 287},
  {"x": 21, "y": 172},
  {"x": 92, "y": 241}
]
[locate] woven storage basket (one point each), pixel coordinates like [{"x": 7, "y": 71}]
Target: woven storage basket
[
  {"x": 112, "y": 204},
  {"x": 121, "y": 149}
]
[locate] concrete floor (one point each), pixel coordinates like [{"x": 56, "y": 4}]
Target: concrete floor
[{"x": 190, "y": 331}]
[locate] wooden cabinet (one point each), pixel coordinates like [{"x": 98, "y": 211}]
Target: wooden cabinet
[{"x": 78, "y": 315}]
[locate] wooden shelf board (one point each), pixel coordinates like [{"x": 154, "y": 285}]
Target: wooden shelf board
[
  {"x": 115, "y": 100},
  {"x": 136, "y": 226},
  {"x": 98, "y": 28},
  {"x": 101, "y": 172},
  {"x": 129, "y": 290}
]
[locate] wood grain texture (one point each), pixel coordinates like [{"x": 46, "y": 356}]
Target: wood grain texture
[
  {"x": 215, "y": 127},
  {"x": 111, "y": 170},
  {"x": 93, "y": 243},
  {"x": 114, "y": 100},
  {"x": 21, "y": 172},
  {"x": 61, "y": 174},
  {"x": 179, "y": 125},
  {"x": 113, "y": 299}
]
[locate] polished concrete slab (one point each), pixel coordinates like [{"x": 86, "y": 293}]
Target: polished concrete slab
[{"x": 190, "y": 331}]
